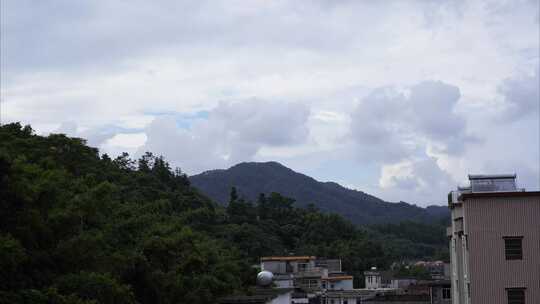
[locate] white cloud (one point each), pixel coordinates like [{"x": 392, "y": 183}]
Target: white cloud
[
  {"x": 407, "y": 130},
  {"x": 390, "y": 125},
  {"x": 134, "y": 140},
  {"x": 416, "y": 178},
  {"x": 94, "y": 137},
  {"x": 521, "y": 96},
  {"x": 123, "y": 142},
  {"x": 358, "y": 72},
  {"x": 233, "y": 132}
]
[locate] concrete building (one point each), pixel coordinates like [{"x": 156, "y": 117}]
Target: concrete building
[
  {"x": 494, "y": 242},
  {"x": 338, "y": 282},
  {"x": 261, "y": 296},
  {"x": 438, "y": 270},
  {"x": 440, "y": 292},
  {"x": 346, "y": 296},
  {"x": 307, "y": 273},
  {"x": 402, "y": 283},
  {"x": 314, "y": 280},
  {"x": 376, "y": 279}
]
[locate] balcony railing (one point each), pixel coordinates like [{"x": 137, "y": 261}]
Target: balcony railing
[{"x": 310, "y": 272}]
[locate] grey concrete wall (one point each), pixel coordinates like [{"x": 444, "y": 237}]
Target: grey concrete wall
[
  {"x": 394, "y": 302},
  {"x": 488, "y": 220}
]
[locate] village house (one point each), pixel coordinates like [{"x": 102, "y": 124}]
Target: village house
[
  {"x": 377, "y": 279},
  {"x": 307, "y": 272}
]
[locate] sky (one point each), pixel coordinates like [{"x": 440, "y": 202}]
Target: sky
[{"x": 400, "y": 99}]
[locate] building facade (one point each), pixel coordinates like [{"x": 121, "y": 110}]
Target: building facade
[
  {"x": 261, "y": 296},
  {"x": 376, "y": 279},
  {"x": 307, "y": 272},
  {"x": 311, "y": 275},
  {"x": 494, "y": 242}
]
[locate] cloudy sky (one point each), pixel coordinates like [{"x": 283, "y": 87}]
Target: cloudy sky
[{"x": 401, "y": 99}]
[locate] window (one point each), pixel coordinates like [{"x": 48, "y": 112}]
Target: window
[
  {"x": 302, "y": 267},
  {"x": 513, "y": 248},
  {"x": 288, "y": 268},
  {"x": 446, "y": 293},
  {"x": 345, "y": 302},
  {"x": 516, "y": 295}
]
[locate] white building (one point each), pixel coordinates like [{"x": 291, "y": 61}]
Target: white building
[
  {"x": 375, "y": 279},
  {"x": 262, "y": 296},
  {"x": 346, "y": 296},
  {"x": 338, "y": 282},
  {"x": 317, "y": 278},
  {"x": 307, "y": 272}
]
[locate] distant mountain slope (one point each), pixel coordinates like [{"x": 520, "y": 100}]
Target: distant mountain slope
[{"x": 251, "y": 179}]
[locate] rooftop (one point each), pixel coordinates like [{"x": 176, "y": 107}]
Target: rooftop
[
  {"x": 338, "y": 278},
  {"x": 465, "y": 196},
  {"x": 480, "y": 184},
  {"x": 288, "y": 258},
  {"x": 491, "y": 176},
  {"x": 261, "y": 295},
  {"x": 347, "y": 293}
]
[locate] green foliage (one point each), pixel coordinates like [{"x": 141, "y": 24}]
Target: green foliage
[
  {"x": 34, "y": 296},
  {"x": 12, "y": 256},
  {"x": 253, "y": 178},
  {"x": 80, "y": 228},
  {"x": 418, "y": 272},
  {"x": 414, "y": 240},
  {"x": 100, "y": 287}
]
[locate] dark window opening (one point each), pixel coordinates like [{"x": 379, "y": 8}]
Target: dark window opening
[
  {"x": 446, "y": 293},
  {"x": 516, "y": 295},
  {"x": 513, "y": 248},
  {"x": 302, "y": 267}
]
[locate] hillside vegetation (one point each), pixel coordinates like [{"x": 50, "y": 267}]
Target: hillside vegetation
[
  {"x": 251, "y": 179},
  {"x": 80, "y": 227}
]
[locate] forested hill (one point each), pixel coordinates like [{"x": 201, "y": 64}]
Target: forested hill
[
  {"x": 77, "y": 227},
  {"x": 252, "y": 178}
]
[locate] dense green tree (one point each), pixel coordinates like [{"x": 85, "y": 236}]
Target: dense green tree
[
  {"x": 80, "y": 228},
  {"x": 101, "y": 287},
  {"x": 77, "y": 227}
]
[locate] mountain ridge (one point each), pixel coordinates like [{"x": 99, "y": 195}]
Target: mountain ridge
[{"x": 252, "y": 178}]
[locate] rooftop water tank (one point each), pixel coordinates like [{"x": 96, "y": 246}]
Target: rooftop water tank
[{"x": 264, "y": 278}]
